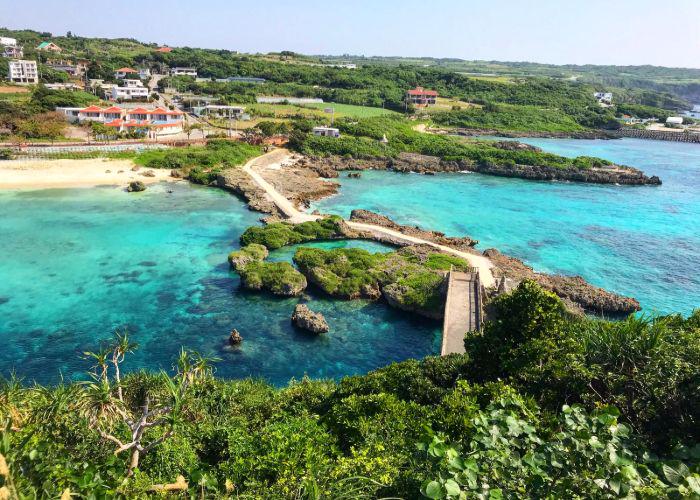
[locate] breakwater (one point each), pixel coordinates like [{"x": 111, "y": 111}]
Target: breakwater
[{"x": 657, "y": 135}]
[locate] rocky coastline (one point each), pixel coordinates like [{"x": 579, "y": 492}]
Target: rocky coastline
[
  {"x": 476, "y": 132},
  {"x": 368, "y": 217},
  {"x": 329, "y": 167},
  {"x": 579, "y": 295}
]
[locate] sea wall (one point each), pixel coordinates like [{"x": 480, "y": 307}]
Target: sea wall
[{"x": 657, "y": 135}]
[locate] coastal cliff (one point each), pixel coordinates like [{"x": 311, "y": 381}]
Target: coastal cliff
[
  {"x": 577, "y": 293},
  {"x": 424, "y": 164}
]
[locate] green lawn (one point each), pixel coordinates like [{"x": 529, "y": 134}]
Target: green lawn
[{"x": 352, "y": 111}]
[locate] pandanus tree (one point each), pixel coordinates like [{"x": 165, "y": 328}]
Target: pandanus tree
[{"x": 137, "y": 422}]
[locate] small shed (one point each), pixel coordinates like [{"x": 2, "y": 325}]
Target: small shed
[{"x": 326, "y": 132}]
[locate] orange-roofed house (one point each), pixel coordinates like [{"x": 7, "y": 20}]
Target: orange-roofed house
[
  {"x": 164, "y": 50},
  {"x": 125, "y": 73},
  {"x": 421, "y": 97},
  {"x": 154, "y": 122}
]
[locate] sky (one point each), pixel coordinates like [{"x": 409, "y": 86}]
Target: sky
[{"x": 663, "y": 33}]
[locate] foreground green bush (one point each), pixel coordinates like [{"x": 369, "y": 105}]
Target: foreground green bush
[
  {"x": 408, "y": 279},
  {"x": 200, "y": 163},
  {"x": 361, "y": 140},
  {"x": 280, "y": 278},
  {"x": 279, "y": 234},
  {"x": 648, "y": 368},
  {"x": 408, "y": 428}
]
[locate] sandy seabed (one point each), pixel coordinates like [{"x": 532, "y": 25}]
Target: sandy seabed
[{"x": 41, "y": 174}]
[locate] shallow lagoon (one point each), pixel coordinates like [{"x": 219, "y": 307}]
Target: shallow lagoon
[
  {"x": 80, "y": 263},
  {"x": 639, "y": 241}
]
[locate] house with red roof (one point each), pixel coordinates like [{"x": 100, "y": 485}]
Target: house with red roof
[
  {"x": 421, "y": 97},
  {"x": 152, "y": 121},
  {"x": 164, "y": 50},
  {"x": 125, "y": 73}
]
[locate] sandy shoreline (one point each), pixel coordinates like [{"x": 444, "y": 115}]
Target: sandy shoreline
[{"x": 44, "y": 174}]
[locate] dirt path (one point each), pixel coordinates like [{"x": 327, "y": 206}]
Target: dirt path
[{"x": 280, "y": 156}]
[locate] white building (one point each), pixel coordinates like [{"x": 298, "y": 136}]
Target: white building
[
  {"x": 345, "y": 65},
  {"x": 7, "y": 41},
  {"x": 131, "y": 83},
  {"x": 154, "y": 122},
  {"x": 128, "y": 93},
  {"x": 179, "y": 71},
  {"x": 604, "y": 97},
  {"x": 144, "y": 73},
  {"x": 218, "y": 111},
  {"x": 290, "y": 100},
  {"x": 62, "y": 86},
  {"x": 674, "y": 121},
  {"x": 22, "y": 71},
  {"x": 326, "y": 132}
]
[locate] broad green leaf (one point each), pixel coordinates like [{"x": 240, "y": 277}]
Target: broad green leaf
[
  {"x": 496, "y": 494},
  {"x": 614, "y": 483},
  {"x": 452, "y": 488},
  {"x": 693, "y": 483},
  {"x": 671, "y": 475},
  {"x": 433, "y": 490}
]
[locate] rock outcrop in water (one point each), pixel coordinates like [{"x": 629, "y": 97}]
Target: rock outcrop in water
[
  {"x": 423, "y": 164},
  {"x": 240, "y": 183},
  {"x": 235, "y": 338},
  {"x": 599, "y": 175},
  {"x": 136, "y": 187},
  {"x": 306, "y": 319},
  {"x": 576, "y": 292},
  {"x": 278, "y": 278},
  {"x": 368, "y": 217},
  {"x": 250, "y": 253}
]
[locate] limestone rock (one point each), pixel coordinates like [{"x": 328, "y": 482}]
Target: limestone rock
[
  {"x": 149, "y": 173},
  {"x": 305, "y": 318},
  {"x": 250, "y": 253},
  {"x": 235, "y": 338},
  {"x": 136, "y": 186}
]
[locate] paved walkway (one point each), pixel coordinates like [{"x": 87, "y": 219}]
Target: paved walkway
[
  {"x": 277, "y": 157},
  {"x": 462, "y": 311}
]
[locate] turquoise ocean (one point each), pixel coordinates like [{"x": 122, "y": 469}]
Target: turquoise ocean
[
  {"x": 641, "y": 241},
  {"x": 79, "y": 263}
]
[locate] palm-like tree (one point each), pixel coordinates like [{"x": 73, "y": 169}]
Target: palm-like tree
[{"x": 102, "y": 400}]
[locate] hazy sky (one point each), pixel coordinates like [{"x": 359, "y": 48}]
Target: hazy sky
[{"x": 656, "y": 32}]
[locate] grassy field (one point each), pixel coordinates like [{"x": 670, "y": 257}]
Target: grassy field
[
  {"x": 351, "y": 111},
  {"x": 315, "y": 110},
  {"x": 445, "y": 104}
]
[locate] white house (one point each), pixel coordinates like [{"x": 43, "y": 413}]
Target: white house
[
  {"x": 218, "y": 111},
  {"x": 144, "y": 73},
  {"x": 72, "y": 114},
  {"x": 131, "y": 83},
  {"x": 7, "y": 41},
  {"x": 128, "y": 93},
  {"x": 62, "y": 86},
  {"x": 326, "y": 132},
  {"x": 180, "y": 71},
  {"x": 604, "y": 97},
  {"x": 23, "y": 72},
  {"x": 674, "y": 121}
]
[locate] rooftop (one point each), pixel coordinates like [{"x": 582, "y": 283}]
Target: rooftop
[{"x": 422, "y": 91}]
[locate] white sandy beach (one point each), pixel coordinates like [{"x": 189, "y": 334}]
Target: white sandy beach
[{"x": 41, "y": 174}]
